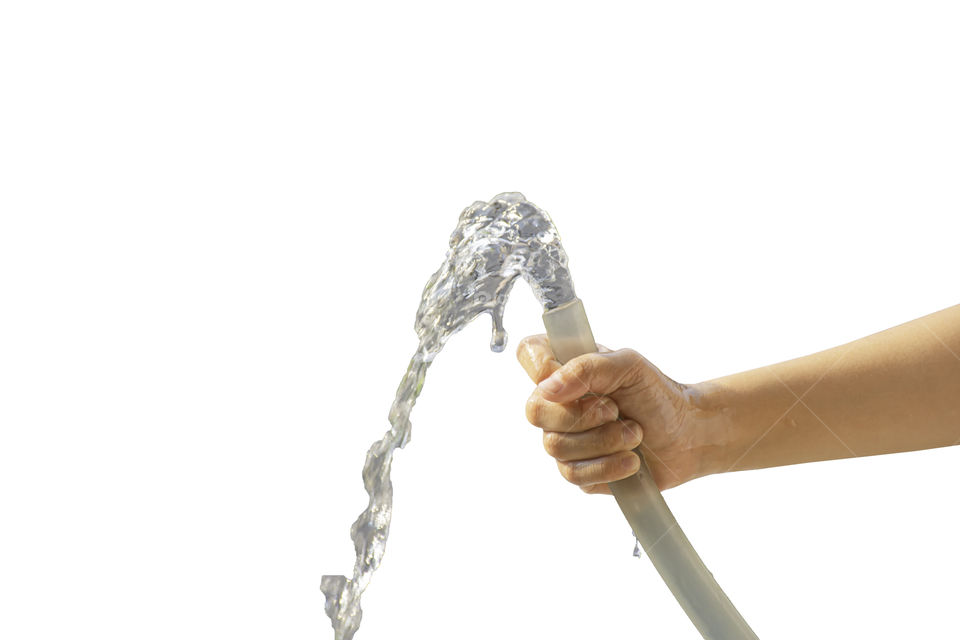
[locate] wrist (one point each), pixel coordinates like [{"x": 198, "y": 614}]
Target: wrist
[{"x": 713, "y": 431}]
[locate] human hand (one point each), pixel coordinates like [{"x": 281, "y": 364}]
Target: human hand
[{"x": 598, "y": 408}]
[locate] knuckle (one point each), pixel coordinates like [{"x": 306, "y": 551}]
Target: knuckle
[
  {"x": 535, "y": 410},
  {"x": 598, "y": 410},
  {"x": 580, "y": 473},
  {"x": 631, "y": 358},
  {"x": 631, "y": 368},
  {"x": 605, "y": 470},
  {"x": 553, "y": 443},
  {"x": 613, "y": 467},
  {"x": 572, "y": 472},
  {"x": 543, "y": 368},
  {"x": 584, "y": 412},
  {"x": 612, "y": 439},
  {"x": 585, "y": 366}
]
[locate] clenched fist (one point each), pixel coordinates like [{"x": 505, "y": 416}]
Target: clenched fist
[{"x": 598, "y": 408}]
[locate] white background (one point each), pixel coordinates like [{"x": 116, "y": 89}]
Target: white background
[{"x": 217, "y": 218}]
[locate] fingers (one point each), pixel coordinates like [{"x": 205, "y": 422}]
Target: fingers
[
  {"x": 536, "y": 357},
  {"x": 591, "y": 445},
  {"x": 603, "y": 488},
  {"x": 608, "y": 439},
  {"x": 610, "y": 468},
  {"x": 599, "y": 373},
  {"x": 581, "y": 414}
]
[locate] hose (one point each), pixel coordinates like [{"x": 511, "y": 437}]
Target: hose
[{"x": 657, "y": 531}]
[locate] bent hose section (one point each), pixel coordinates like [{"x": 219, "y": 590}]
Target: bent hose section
[{"x": 671, "y": 553}]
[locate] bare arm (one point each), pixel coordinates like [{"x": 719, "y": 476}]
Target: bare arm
[{"x": 898, "y": 390}]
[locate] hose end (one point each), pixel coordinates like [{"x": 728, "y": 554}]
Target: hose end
[{"x": 569, "y": 331}]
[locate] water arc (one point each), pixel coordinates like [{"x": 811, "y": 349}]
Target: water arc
[{"x": 493, "y": 244}]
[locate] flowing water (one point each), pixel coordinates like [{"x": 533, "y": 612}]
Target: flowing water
[{"x": 494, "y": 242}]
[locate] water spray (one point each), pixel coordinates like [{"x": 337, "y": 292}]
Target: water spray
[{"x": 495, "y": 243}]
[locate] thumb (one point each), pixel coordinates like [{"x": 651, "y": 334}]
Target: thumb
[{"x": 600, "y": 373}]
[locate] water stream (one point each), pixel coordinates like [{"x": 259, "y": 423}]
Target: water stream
[{"x": 493, "y": 244}]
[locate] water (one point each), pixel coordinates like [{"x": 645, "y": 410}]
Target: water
[{"x": 493, "y": 244}]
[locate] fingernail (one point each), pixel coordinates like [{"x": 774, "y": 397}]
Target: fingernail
[
  {"x": 608, "y": 409},
  {"x": 551, "y": 385},
  {"x": 631, "y": 434},
  {"x": 629, "y": 462}
]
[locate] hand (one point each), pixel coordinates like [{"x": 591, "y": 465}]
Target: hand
[{"x": 597, "y": 408}]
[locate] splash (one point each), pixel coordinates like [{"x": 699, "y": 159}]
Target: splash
[{"x": 493, "y": 244}]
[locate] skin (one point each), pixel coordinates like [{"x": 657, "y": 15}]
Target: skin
[{"x": 897, "y": 390}]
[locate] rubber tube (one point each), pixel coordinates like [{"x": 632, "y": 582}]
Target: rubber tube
[{"x": 671, "y": 553}]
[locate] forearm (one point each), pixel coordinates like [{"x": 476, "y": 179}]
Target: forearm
[{"x": 898, "y": 390}]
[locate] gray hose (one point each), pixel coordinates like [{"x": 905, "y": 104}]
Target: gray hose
[{"x": 653, "y": 524}]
